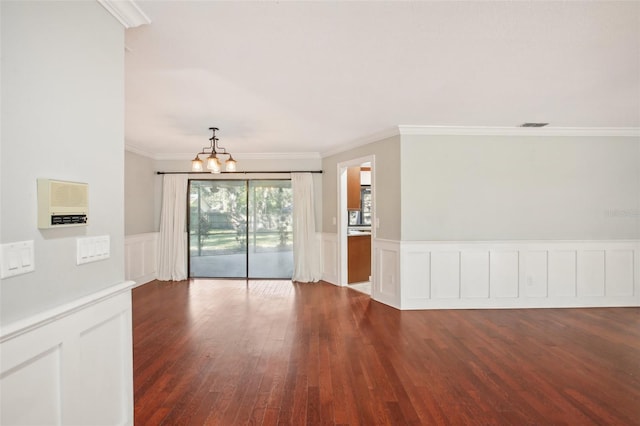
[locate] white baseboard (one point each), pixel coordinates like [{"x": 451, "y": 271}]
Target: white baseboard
[
  {"x": 141, "y": 251},
  {"x": 70, "y": 365}
]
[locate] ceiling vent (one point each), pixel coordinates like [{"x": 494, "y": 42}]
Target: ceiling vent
[{"x": 533, "y": 124}]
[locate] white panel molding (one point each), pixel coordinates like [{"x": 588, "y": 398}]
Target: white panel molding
[
  {"x": 416, "y": 269},
  {"x": 445, "y": 274},
  {"x": 504, "y": 273},
  {"x": 127, "y": 12},
  {"x": 385, "y": 285},
  {"x": 140, "y": 257},
  {"x": 74, "y": 363},
  {"x": 330, "y": 258},
  {"x": 519, "y": 274},
  {"x": 498, "y": 274},
  {"x": 536, "y": 273},
  {"x": 620, "y": 277},
  {"x": 590, "y": 273},
  {"x": 561, "y": 270},
  {"x": 474, "y": 274}
]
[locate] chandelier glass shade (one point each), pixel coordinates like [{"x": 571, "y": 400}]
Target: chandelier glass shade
[{"x": 213, "y": 161}]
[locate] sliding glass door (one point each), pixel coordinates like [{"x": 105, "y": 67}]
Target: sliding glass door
[
  {"x": 270, "y": 235},
  {"x": 218, "y": 228},
  {"x": 240, "y": 229}
]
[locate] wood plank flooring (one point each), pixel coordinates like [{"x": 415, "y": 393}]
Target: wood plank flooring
[{"x": 280, "y": 353}]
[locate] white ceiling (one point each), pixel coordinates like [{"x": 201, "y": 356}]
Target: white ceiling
[{"x": 310, "y": 77}]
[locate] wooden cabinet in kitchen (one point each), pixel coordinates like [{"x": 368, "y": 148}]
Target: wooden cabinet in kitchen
[
  {"x": 359, "y": 258},
  {"x": 353, "y": 188}
]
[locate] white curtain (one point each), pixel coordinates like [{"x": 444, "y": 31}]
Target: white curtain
[
  {"x": 306, "y": 258},
  {"x": 172, "y": 244}
]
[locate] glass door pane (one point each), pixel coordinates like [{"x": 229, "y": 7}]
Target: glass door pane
[
  {"x": 270, "y": 229},
  {"x": 218, "y": 228}
]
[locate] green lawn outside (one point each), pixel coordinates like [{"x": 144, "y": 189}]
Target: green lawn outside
[{"x": 228, "y": 242}]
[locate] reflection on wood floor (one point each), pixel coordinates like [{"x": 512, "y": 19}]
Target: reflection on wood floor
[
  {"x": 361, "y": 287},
  {"x": 276, "y": 352}
]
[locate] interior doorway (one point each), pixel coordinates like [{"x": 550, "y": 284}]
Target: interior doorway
[
  {"x": 240, "y": 229},
  {"x": 356, "y": 227}
]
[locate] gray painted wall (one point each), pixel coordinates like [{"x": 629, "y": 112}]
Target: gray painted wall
[
  {"x": 520, "y": 188},
  {"x": 386, "y": 186},
  {"x": 62, "y": 118},
  {"x": 139, "y": 193}
]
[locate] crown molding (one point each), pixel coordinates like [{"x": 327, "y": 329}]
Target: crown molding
[
  {"x": 237, "y": 156},
  {"x": 519, "y": 131},
  {"x": 127, "y": 12},
  {"x": 278, "y": 156},
  {"x": 407, "y": 130},
  {"x": 137, "y": 150},
  {"x": 365, "y": 140}
]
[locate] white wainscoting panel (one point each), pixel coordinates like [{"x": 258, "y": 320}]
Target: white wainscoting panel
[
  {"x": 498, "y": 274},
  {"x": 445, "y": 275},
  {"x": 562, "y": 273},
  {"x": 517, "y": 274},
  {"x": 474, "y": 274},
  {"x": 37, "y": 382},
  {"x": 385, "y": 287},
  {"x": 503, "y": 273},
  {"x": 590, "y": 274},
  {"x": 71, "y": 365},
  {"x": 417, "y": 281},
  {"x": 535, "y": 272},
  {"x": 330, "y": 258},
  {"x": 141, "y": 253},
  {"x": 619, "y": 273}
]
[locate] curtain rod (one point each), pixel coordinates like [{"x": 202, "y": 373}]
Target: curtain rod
[{"x": 239, "y": 173}]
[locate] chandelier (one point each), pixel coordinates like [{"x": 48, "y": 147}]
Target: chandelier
[{"x": 213, "y": 162}]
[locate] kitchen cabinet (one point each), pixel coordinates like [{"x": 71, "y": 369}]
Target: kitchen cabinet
[
  {"x": 353, "y": 188},
  {"x": 359, "y": 258}
]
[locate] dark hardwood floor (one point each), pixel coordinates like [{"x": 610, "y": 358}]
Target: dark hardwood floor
[{"x": 273, "y": 352}]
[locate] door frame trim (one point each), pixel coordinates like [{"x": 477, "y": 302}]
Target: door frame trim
[{"x": 343, "y": 219}]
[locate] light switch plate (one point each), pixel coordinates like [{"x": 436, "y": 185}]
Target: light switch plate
[
  {"x": 17, "y": 259},
  {"x": 92, "y": 249}
]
